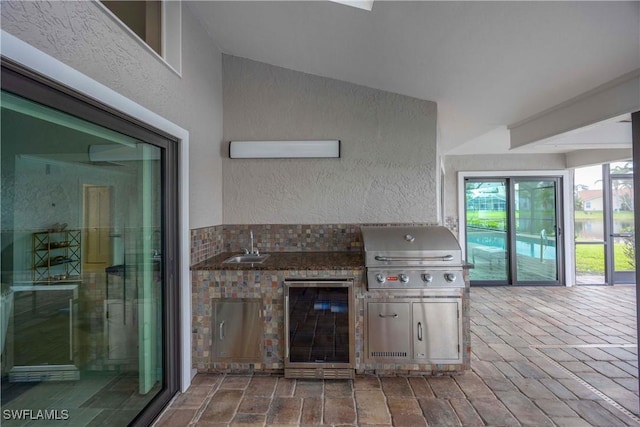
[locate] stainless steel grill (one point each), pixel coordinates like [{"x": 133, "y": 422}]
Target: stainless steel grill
[
  {"x": 413, "y": 257},
  {"x": 414, "y": 310}
]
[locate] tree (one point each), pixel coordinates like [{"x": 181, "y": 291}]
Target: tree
[
  {"x": 578, "y": 203},
  {"x": 625, "y": 169}
]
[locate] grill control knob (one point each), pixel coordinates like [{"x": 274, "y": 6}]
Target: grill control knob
[
  {"x": 427, "y": 278},
  {"x": 404, "y": 278},
  {"x": 450, "y": 277},
  {"x": 380, "y": 278}
]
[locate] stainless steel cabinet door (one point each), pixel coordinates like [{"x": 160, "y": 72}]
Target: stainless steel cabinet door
[
  {"x": 437, "y": 331},
  {"x": 238, "y": 330},
  {"x": 388, "y": 331}
]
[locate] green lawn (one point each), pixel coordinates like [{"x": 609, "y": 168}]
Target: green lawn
[
  {"x": 590, "y": 259},
  {"x": 597, "y": 215},
  {"x": 579, "y": 215}
]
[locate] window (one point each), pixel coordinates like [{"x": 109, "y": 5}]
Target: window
[
  {"x": 157, "y": 24},
  {"x": 143, "y": 18}
]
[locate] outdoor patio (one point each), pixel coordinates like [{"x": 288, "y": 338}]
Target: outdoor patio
[{"x": 546, "y": 356}]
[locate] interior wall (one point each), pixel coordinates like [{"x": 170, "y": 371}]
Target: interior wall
[
  {"x": 84, "y": 36},
  {"x": 53, "y": 197},
  {"x": 493, "y": 162},
  {"x": 388, "y": 169}
]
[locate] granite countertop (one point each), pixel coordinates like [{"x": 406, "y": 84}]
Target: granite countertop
[{"x": 290, "y": 261}]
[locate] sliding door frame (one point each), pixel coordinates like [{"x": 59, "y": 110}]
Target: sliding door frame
[
  {"x": 507, "y": 269},
  {"x": 612, "y": 276},
  {"x": 22, "y": 53},
  {"x": 27, "y": 84},
  {"x": 566, "y": 271},
  {"x": 558, "y": 232}
]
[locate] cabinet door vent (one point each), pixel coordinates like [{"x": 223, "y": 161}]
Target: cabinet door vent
[
  {"x": 22, "y": 374},
  {"x": 320, "y": 373},
  {"x": 388, "y": 354}
]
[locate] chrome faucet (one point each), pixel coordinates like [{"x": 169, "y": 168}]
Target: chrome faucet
[{"x": 253, "y": 251}]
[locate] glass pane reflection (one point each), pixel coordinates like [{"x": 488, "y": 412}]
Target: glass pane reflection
[{"x": 82, "y": 247}]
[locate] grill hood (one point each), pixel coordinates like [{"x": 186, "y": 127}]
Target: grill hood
[{"x": 410, "y": 246}]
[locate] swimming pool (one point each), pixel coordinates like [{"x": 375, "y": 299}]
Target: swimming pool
[{"x": 526, "y": 245}]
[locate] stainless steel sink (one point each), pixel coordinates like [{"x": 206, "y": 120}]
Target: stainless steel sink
[{"x": 246, "y": 259}]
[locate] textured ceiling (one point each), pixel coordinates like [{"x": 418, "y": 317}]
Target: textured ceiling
[{"x": 486, "y": 64}]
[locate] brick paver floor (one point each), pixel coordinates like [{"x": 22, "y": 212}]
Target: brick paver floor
[{"x": 540, "y": 357}]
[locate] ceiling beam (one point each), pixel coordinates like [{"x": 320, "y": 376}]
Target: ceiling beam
[
  {"x": 581, "y": 158},
  {"x": 618, "y": 97}
]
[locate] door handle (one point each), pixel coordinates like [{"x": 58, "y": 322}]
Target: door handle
[
  {"x": 419, "y": 331},
  {"x": 221, "y": 332},
  {"x": 394, "y": 315},
  {"x": 286, "y": 326},
  {"x": 70, "y": 328},
  {"x": 622, "y": 235}
]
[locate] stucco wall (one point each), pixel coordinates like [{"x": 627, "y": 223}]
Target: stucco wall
[
  {"x": 82, "y": 35},
  {"x": 388, "y": 169},
  {"x": 505, "y": 162}
]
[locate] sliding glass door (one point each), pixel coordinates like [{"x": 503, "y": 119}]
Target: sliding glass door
[
  {"x": 536, "y": 233},
  {"x": 487, "y": 219},
  {"x": 512, "y": 232},
  {"x": 88, "y": 241},
  {"x": 604, "y": 224},
  {"x": 621, "y": 223}
]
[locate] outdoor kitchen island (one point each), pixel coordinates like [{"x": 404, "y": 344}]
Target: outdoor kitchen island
[{"x": 244, "y": 304}]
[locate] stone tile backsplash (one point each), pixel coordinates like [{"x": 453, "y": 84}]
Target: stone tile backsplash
[
  {"x": 210, "y": 241},
  {"x": 205, "y": 243},
  {"x": 294, "y": 237}
]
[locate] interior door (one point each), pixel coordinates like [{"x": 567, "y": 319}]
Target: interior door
[{"x": 97, "y": 223}]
